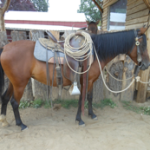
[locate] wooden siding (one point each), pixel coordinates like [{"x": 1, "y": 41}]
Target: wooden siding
[{"x": 137, "y": 16}]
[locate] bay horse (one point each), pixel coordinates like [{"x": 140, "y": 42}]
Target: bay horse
[{"x": 18, "y": 63}]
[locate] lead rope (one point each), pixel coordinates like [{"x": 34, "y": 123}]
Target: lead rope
[
  {"x": 137, "y": 79},
  {"x": 116, "y": 78}
]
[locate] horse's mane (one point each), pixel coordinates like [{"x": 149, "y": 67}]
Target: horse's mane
[{"x": 109, "y": 45}]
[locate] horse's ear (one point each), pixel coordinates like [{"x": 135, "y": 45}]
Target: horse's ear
[
  {"x": 87, "y": 22},
  {"x": 143, "y": 30},
  {"x": 97, "y": 22}
]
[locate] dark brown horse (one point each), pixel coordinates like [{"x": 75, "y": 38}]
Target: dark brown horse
[
  {"x": 18, "y": 63},
  {"x": 92, "y": 26}
]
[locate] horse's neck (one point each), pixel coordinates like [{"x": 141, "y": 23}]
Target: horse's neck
[{"x": 103, "y": 63}]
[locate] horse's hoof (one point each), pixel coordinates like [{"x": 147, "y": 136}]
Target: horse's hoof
[
  {"x": 23, "y": 127},
  {"x": 81, "y": 123},
  {"x": 5, "y": 124},
  {"x": 2, "y": 118},
  {"x": 94, "y": 117},
  {"x": 4, "y": 121}
]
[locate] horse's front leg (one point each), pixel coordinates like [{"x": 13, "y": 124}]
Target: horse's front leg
[
  {"x": 78, "y": 116},
  {"x": 90, "y": 108}
]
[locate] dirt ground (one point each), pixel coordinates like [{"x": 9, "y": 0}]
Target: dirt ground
[{"x": 115, "y": 129}]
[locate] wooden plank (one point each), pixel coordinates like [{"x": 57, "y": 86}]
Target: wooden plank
[
  {"x": 137, "y": 15},
  {"x": 55, "y": 34},
  {"x": 135, "y": 4},
  {"x": 105, "y": 14},
  {"x": 147, "y": 95},
  {"x": 104, "y": 24},
  {"x": 105, "y": 9},
  {"x": 35, "y": 35},
  {"x": 129, "y": 2},
  {"x": 115, "y": 68},
  {"x": 105, "y": 19},
  {"x": 128, "y": 72},
  {"x": 3, "y": 39},
  {"x": 108, "y": 3},
  {"x": 104, "y": 28},
  {"x": 137, "y": 20},
  {"x": 137, "y": 9},
  {"x": 142, "y": 88},
  {"x": 18, "y": 35},
  {"x": 135, "y": 26}
]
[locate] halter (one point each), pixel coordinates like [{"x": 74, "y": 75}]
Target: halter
[{"x": 139, "y": 57}]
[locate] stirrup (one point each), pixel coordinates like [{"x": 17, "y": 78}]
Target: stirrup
[{"x": 74, "y": 89}]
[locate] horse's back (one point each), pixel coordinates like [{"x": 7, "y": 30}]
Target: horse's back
[{"x": 19, "y": 45}]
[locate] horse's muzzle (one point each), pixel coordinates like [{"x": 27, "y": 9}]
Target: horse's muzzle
[{"x": 144, "y": 66}]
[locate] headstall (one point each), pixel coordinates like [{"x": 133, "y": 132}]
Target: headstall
[{"x": 139, "y": 57}]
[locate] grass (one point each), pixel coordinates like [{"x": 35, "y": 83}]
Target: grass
[
  {"x": 35, "y": 104},
  {"x": 74, "y": 103},
  {"x": 24, "y": 104},
  {"x": 104, "y": 103},
  {"x": 65, "y": 104},
  {"x": 137, "y": 109}
]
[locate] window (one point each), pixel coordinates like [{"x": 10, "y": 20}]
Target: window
[{"x": 117, "y": 15}]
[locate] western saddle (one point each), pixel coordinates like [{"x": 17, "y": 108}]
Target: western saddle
[{"x": 75, "y": 65}]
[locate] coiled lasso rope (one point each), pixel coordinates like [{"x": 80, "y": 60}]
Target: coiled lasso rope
[{"x": 80, "y": 53}]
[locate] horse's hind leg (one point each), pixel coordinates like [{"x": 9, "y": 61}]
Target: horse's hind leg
[
  {"x": 90, "y": 109},
  {"x": 5, "y": 99},
  {"x": 15, "y": 101}
]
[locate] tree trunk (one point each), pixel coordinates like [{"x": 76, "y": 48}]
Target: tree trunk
[{"x": 2, "y": 12}]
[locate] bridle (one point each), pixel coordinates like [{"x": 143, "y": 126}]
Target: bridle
[{"x": 139, "y": 57}]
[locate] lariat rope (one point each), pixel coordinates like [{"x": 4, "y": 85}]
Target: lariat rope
[
  {"x": 84, "y": 52},
  {"x": 116, "y": 78},
  {"x": 104, "y": 79},
  {"x": 80, "y": 53},
  {"x": 137, "y": 79}
]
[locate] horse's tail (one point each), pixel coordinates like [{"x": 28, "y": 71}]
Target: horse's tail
[{"x": 1, "y": 74}]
